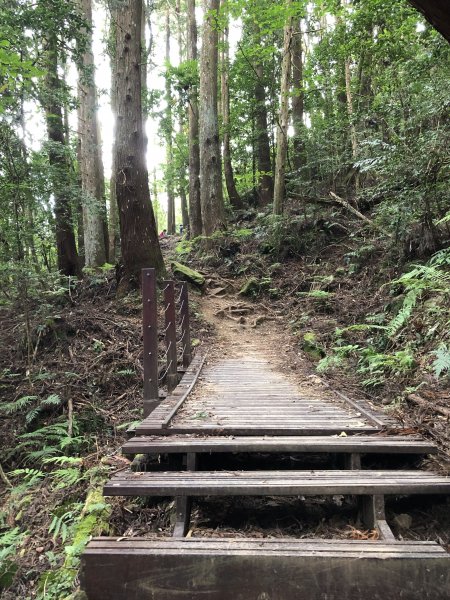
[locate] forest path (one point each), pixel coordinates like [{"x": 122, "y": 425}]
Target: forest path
[{"x": 255, "y": 381}]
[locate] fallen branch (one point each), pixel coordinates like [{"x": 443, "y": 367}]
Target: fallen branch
[
  {"x": 442, "y": 410},
  {"x": 356, "y": 212}
]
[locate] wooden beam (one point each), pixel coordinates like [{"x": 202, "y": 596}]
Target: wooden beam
[
  {"x": 276, "y": 483},
  {"x": 218, "y": 569}
]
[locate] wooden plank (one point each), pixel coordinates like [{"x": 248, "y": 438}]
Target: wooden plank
[
  {"x": 192, "y": 569},
  {"x": 372, "y": 510},
  {"x": 272, "y": 483},
  {"x": 212, "y": 444},
  {"x": 262, "y": 545},
  {"x": 183, "y": 504},
  {"x": 248, "y": 429},
  {"x": 193, "y": 376},
  {"x": 384, "y": 530}
]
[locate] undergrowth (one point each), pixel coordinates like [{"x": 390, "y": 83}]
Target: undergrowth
[{"x": 65, "y": 366}]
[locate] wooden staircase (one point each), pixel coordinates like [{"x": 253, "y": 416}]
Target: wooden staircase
[
  {"x": 274, "y": 569},
  {"x": 197, "y": 568}
]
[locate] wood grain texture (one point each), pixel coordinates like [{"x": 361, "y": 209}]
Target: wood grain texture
[
  {"x": 210, "y": 444},
  {"x": 275, "y": 483},
  {"x": 198, "y": 569}
]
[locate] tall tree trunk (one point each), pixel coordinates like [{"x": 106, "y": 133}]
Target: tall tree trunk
[
  {"x": 211, "y": 196},
  {"x": 113, "y": 209},
  {"x": 139, "y": 240},
  {"x": 195, "y": 212},
  {"x": 66, "y": 248},
  {"x": 233, "y": 195},
  {"x": 91, "y": 163},
  {"x": 182, "y": 125},
  {"x": 264, "y": 161},
  {"x": 283, "y": 119},
  {"x": 169, "y": 133},
  {"x": 349, "y": 96},
  {"x": 298, "y": 96},
  {"x": 155, "y": 201}
]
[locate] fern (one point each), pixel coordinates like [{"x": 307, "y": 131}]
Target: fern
[
  {"x": 403, "y": 315},
  {"x": 66, "y": 477},
  {"x": 61, "y": 525},
  {"x": 9, "y": 543},
  {"x": 64, "y": 460},
  {"x": 441, "y": 363},
  {"x": 329, "y": 362},
  {"x": 27, "y": 478},
  {"x": 32, "y": 415},
  {"x": 441, "y": 258},
  {"x": 51, "y": 401},
  {"x": 39, "y": 455},
  {"x": 18, "y": 405}
]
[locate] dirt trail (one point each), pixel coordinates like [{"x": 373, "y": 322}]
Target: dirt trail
[{"x": 251, "y": 333}]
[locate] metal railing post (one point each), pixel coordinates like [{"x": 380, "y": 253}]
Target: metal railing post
[
  {"x": 150, "y": 334},
  {"x": 170, "y": 335},
  {"x": 185, "y": 325}
]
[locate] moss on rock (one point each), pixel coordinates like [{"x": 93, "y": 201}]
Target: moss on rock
[{"x": 187, "y": 274}]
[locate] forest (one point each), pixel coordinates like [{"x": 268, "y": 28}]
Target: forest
[{"x": 294, "y": 154}]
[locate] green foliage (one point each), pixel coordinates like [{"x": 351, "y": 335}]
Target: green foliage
[
  {"x": 336, "y": 358},
  {"x": 429, "y": 278},
  {"x": 10, "y": 541},
  {"x": 17, "y": 406},
  {"x": 441, "y": 364},
  {"x": 377, "y": 366}
]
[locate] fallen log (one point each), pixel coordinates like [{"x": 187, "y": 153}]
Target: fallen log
[
  {"x": 442, "y": 410},
  {"x": 356, "y": 212}
]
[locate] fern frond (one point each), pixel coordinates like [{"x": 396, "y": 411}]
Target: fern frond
[
  {"x": 52, "y": 400},
  {"x": 37, "y": 455},
  {"x": 441, "y": 363},
  {"x": 32, "y": 415},
  {"x": 404, "y": 313},
  {"x": 18, "y": 405},
  {"x": 66, "y": 477},
  {"x": 63, "y": 460}
]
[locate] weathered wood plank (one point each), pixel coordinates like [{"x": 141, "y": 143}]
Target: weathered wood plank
[
  {"x": 211, "y": 444},
  {"x": 230, "y": 569},
  {"x": 281, "y": 483},
  {"x": 254, "y": 429}
]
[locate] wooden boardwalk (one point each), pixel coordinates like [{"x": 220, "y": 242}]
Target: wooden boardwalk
[
  {"x": 244, "y": 395},
  {"x": 241, "y": 401}
]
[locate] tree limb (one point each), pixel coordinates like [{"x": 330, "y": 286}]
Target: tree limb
[{"x": 356, "y": 212}]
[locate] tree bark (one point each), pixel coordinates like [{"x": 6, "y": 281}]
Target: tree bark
[
  {"x": 91, "y": 164},
  {"x": 233, "y": 194},
  {"x": 349, "y": 96},
  {"x": 211, "y": 196},
  {"x": 183, "y": 185},
  {"x": 139, "y": 240},
  {"x": 283, "y": 120},
  {"x": 195, "y": 212},
  {"x": 264, "y": 161},
  {"x": 67, "y": 255},
  {"x": 298, "y": 96},
  {"x": 113, "y": 209},
  {"x": 169, "y": 133}
]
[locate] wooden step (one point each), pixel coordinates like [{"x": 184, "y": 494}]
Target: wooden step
[
  {"x": 275, "y": 483},
  {"x": 209, "y": 444},
  {"x": 272, "y": 569},
  {"x": 249, "y": 427}
]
